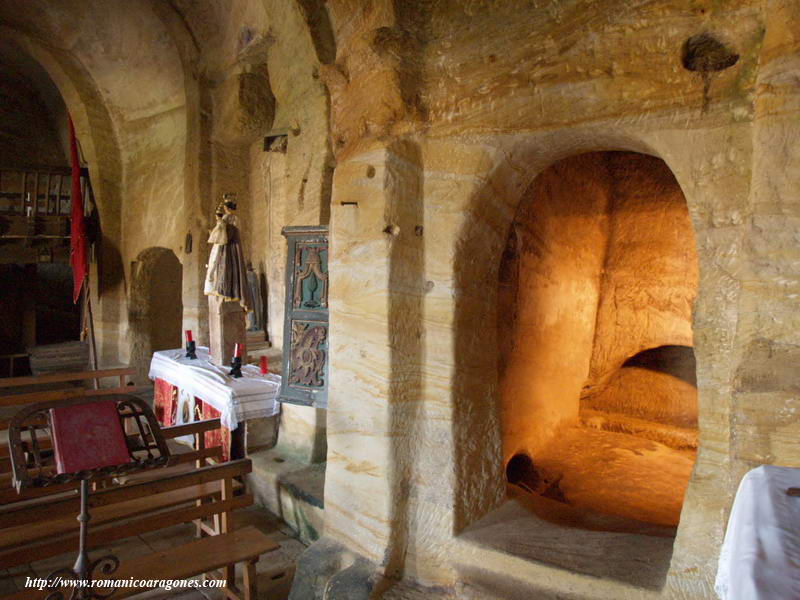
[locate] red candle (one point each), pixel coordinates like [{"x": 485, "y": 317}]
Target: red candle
[
  {"x": 189, "y": 335},
  {"x": 237, "y": 350},
  {"x": 264, "y": 365}
]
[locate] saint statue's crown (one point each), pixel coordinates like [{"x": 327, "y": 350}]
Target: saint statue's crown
[{"x": 228, "y": 201}]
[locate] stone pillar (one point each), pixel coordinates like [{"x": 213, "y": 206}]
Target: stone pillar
[
  {"x": 375, "y": 391},
  {"x": 226, "y": 327}
]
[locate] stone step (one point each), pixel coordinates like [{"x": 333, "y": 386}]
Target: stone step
[
  {"x": 257, "y": 341},
  {"x": 290, "y": 489}
]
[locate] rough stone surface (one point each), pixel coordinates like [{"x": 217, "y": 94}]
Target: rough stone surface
[{"x": 416, "y": 129}]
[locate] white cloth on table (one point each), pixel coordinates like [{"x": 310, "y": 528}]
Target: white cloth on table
[
  {"x": 252, "y": 396},
  {"x": 760, "y": 556}
]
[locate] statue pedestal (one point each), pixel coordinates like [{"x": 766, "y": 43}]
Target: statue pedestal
[{"x": 226, "y": 327}]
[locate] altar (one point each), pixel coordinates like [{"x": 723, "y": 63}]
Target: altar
[
  {"x": 761, "y": 552},
  {"x": 188, "y": 390}
]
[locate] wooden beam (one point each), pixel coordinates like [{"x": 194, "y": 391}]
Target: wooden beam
[
  {"x": 102, "y": 536},
  {"x": 197, "y": 557},
  {"x": 60, "y": 394},
  {"x": 174, "y": 431},
  {"x": 19, "y": 515},
  {"x": 62, "y": 377}
]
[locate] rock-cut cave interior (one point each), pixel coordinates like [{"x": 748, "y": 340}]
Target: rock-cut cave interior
[
  {"x": 400, "y": 299},
  {"x": 598, "y": 379}
]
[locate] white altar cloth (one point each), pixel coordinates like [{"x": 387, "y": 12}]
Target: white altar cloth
[
  {"x": 252, "y": 396},
  {"x": 760, "y": 558}
]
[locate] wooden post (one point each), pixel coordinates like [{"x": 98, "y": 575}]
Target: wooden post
[
  {"x": 88, "y": 320},
  {"x": 22, "y": 194},
  {"x": 47, "y": 194},
  {"x": 200, "y": 444},
  {"x": 35, "y": 207},
  {"x": 250, "y": 586},
  {"x": 225, "y": 527},
  {"x": 58, "y": 194}
]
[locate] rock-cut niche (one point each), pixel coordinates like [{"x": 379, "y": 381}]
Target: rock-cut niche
[
  {"x": 597, "y": 282},
  {"x": 155, "y": 308}
]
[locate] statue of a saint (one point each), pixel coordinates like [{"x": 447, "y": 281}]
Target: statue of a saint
[{"x": 226, "y": 276}]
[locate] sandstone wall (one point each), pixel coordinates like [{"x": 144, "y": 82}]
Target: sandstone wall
[
  {"x": 29, "y": 130},
  {"x": 504, "y": 91},
  {"x": 563, "y": 226},
  {"x": 650, "y": 272},
  {"x": 171, "y": 104},
  {"x": 441, "y": 116}
]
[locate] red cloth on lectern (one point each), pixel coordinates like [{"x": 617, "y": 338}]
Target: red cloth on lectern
[
  {"x": 88, "y": 436},
  {"x": 77, "y": 241}
]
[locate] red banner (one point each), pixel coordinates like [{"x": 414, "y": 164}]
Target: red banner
[{"x": 77, "y": 226}]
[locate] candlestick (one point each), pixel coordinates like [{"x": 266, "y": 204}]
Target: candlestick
[
  {"x": 236, "y": 367},
  {"x": 190, "y": 346}
]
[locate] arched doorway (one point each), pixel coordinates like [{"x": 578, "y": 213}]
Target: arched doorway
[
  {"x": 597, "y": 284},
  {"x": 155, "y": 306}
]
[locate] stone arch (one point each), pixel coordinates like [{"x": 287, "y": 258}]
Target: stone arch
[
  {"x": 607, "y": 270},
  {"x": 155, "y": 307},
  {"x": 98, "y": 141},
  {"x": 479, "y": 477},
  {"x": 124, "y": 84}
]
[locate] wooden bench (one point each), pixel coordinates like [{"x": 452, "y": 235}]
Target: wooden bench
[
  {"x": 200, "y": 556},
  {"x": 16, "y": 392},
  {"x": 29, "y": 390},
  {"x": 40, "y": 523},
  {"x": 54, "y": 386}
]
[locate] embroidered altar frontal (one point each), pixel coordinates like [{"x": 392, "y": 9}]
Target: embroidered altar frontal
[{"x": 187, "y": 390}]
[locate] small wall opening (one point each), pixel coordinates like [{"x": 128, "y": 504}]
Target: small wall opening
[
  {"x": 598, "y": 390},
  {"x": 155, "y": 308}
]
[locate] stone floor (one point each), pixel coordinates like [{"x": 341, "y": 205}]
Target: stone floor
[
  {"x": 618, "y": 474},
  {"x": 275, "y": 570}
]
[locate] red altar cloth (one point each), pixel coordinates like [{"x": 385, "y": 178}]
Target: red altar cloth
[{"x": 166, "y": 409}]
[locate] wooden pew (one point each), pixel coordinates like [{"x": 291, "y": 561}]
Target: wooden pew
[
  {"x": 195, "y": 457},
  {"x": 54, "y": 386},
  {"x": 33, "y": 531},
  {"x": 28, "y": 391},
  {"x": 40, "y": 523}
]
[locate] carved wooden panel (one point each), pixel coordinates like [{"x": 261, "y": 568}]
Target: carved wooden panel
[
  {"x": 305, "y": 340},
  {"x": 310, "y": 276},
  {"x": 309, "y": 354}
]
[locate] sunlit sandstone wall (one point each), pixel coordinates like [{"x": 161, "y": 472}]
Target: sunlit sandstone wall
[
  {"x": 605, "y": 268},
  {"x": 122, "y": 81},
  {"x": 170, "y": 102},
  {"x": 503, "y": 92},
  {"x": 563, "y": 229}
]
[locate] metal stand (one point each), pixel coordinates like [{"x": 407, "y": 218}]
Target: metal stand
[
  {"x": 32, "y": 467},
  {"x": 236, "y": 367},
  {"x": 83, "y": 570}
]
